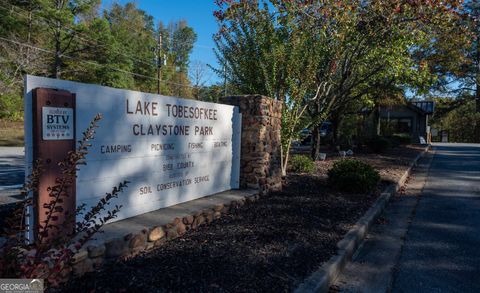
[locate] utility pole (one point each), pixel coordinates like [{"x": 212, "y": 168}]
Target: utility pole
[{"x": 159, "y": 61}]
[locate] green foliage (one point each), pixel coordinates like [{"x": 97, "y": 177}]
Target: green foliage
[
  {"x": 378, "y": 144},
  {"x": 353, "y": 176},
  {"x": 182, "y": 44},
  {"x": 302, "y": 164},
  {"x": 324, "y": 59},
  {"x": 267, "y": 50},
  {"x": 453, "y": 55},
  {"x": 11, "y": 107},
  {"x": 76, "y": 40},
  {"x": 459, "y": 122}
]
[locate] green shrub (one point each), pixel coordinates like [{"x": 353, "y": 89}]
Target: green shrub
[
  {"x": 353, "y": 175},
  {"x": 302, "y": 164},
  {"x": 379, "y": 144}
]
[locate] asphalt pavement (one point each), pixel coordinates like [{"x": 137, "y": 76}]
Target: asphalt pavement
[
  {"x": 428, "y": 239},
  {"x": 12, "y": 173},
  {"x": 441, "y": 251}
]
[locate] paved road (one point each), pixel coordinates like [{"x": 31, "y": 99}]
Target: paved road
[
  {"x": 441, "y": 251},
  {"x": 12, "y": 172},
  {"x": 430, "y": 239}
]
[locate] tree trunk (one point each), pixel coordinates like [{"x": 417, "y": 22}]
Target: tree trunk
[
  {"x": 58, "y": 46},
  {"x": 285, "y": 156},
  {"x": 335, "y": 124},
  {"x": 315, "y": 142},
  {"x": 378, "y": 121},
  {"x": 57, "y": 61}
]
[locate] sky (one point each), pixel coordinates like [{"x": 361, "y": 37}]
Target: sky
[{"x": 197, "y": 13}]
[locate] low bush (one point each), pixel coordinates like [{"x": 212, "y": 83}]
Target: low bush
[
  {"x": 378, "y": 144},
  {"x": 353, "y": 176},
  {"x": 302, "y": 164}
]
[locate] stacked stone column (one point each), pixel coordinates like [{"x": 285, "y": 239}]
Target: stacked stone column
[{"x": 260, "y": 163}]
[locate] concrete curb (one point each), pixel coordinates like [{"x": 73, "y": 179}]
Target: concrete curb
[{"x": 320, "y": 280}]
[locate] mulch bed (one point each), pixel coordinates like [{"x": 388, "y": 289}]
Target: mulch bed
[
  {"x": 270, "y": 245},
  {"x": 391, "y": 164}
]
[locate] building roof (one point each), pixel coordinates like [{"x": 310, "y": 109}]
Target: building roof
[
  {"x": 427, "y": 106},
  {"x": 414, "y": 108}
]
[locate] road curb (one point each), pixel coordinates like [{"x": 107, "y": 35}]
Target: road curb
[{"x": 320, "y": 280}]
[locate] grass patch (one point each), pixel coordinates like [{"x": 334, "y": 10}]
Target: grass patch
[{"x": 11, "y": 133}]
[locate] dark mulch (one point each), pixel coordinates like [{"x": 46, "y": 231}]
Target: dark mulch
[{"x": 270, "y": 245}]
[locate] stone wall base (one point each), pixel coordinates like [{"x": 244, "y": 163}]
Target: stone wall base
[{"x": 130, "y": 243}]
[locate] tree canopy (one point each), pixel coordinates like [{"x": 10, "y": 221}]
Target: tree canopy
[
  {"x": 327, "y": 57},
  {"x": 76, "y": 40}
]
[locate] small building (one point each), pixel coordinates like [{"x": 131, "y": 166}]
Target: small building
[{"x": 410, "y": 118}]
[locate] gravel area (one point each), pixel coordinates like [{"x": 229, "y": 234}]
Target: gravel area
[{"x": 269, "y": 245}]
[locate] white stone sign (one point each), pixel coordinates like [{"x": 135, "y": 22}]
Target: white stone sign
[
  {"x": 57, "y": 123},
  {"x": 171, "y": 150}
]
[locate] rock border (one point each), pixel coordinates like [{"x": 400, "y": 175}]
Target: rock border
[
  {"x": 321, "y": 279},
  {"x": 94, "y": 255}
]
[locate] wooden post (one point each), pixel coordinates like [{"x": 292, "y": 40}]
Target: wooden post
[{"x": 53, "y": 138}]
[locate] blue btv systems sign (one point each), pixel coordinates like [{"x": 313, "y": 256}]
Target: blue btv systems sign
[{"x": 171, "y": 150}]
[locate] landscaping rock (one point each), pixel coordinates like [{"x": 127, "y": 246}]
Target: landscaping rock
[
  {"x": 188, "y": 220},
  {"x": 181, "y": 228},
  {"x": 149, "y": 246},
  {"x": 83, "y": 267},
  {"x": 209, "y": 216},
  {"x": 115, "y": 247},
  {"x": 138, "y": 241},
  {"x": 172, "y": 233},
  {"x": 79, "y": 256},
  {"x": 96, "y": 251},
  {"x": 200, "y": 220},
  {"x": 155, "y": 234},
  {"x": 177, "y": 221}
]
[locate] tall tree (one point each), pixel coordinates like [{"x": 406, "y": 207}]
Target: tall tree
[
  {"x": 370, "y": 45},
  {"x": 269, "y": 51},
  {"x": 17, "y": 26},
  {"x": 199, "y": 74},
  {"x": 177, "y": 45},
  {"x": 60, "y": 19},
  {"x": 75, "y": 40},
  {"x": 133, "y": 29},
  {"x": 454, "y": 55}
]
